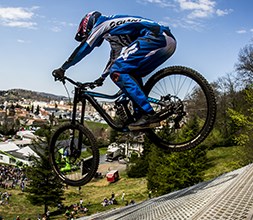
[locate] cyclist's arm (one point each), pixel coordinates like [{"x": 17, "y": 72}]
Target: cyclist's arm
[
  {"x": 79, "y": 53},
  {"x": 82, "y": 50}
]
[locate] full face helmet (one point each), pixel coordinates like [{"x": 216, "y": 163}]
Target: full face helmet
[{"x": 86, "y": 25}]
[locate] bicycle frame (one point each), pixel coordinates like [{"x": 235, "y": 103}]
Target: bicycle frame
[{"x": 81, "y": 95}]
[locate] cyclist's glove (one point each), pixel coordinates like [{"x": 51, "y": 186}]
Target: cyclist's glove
[
  {"x": 99, "y": 81},
  {"x": 58, "y": 74}
]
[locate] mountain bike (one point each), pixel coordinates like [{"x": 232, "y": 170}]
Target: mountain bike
[{"x": 181, "y": 97}]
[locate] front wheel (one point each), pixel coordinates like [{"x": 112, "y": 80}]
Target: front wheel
[
  {"x": 74, "y": 154},
  {"x": 190, "y": 101}
]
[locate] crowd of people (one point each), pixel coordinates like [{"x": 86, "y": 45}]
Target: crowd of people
[
  {"x": 112, "y": 200},
  {"x": 11, "y": 176},
  {"x": 74, "y": 209}
]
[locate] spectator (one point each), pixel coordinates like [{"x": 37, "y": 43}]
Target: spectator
[
  {"x": 113, "y": 195},
  {"x": 81, "y": 202},
  {"x": 48, "y": 214},
  {"x": 132, "y": 202},
  {"x": 67, "y": 213},
  {"x": 84, "y": 210},
  {"x": 105, "y": 202},
  {"x": 123, "y": 196},
  {"x": 150, "y": 194}
]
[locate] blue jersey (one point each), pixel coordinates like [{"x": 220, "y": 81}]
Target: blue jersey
[{"x": 119, "y": 30}]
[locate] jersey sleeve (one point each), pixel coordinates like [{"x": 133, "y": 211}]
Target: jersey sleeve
[{"x": 80, "y": 52}]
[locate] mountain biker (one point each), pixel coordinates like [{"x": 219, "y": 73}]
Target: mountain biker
[{"x": 138, "y": 46}]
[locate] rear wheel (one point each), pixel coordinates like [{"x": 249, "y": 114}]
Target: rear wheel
[
  {"x": 74, "y": 154},
  {"x": 191, "y": 102}
]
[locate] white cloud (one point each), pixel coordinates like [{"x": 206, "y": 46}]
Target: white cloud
[
  {"x": 191, "y": 11},
  {"x": 17, "y": 17},
  {"x": 198, "y": 9},
  {"x": 183, "y": 23},
  {"x": 22, "y": 24},
  {"x": 15, "y": 13},
  {"x": 242, "y": 31},
  {"x": 220, "y": 12},
  {"x": 161, "y": 3},
  {"x": 58, "y": 26},
  {"x": 203, "y": 5},
  {"x": 22, "y": 41},
  {"x": 202, "y": 8},
  {"x": 56, "y": 29}
]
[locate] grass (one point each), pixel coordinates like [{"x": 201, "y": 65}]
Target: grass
[
  {"x": 93, "y": 193},
  {"x": 221, "y": 160}
]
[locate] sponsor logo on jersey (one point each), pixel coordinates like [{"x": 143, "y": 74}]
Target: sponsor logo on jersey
[{"x": 116, "y": 23}]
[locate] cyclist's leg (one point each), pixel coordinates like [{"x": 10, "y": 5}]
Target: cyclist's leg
[
  {"x": 138, "y": 60},
  {"x": 131, "y": 88},
  {"x": 137, "y": 110}
]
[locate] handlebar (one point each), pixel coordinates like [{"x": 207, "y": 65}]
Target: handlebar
[{"x": 86, "y": 85}]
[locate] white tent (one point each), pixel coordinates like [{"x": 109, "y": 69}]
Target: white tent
[
  {"x": 26, "y": 134},
  {"x": 8, "y": 146},
  {"x": 27, "y": 151}
]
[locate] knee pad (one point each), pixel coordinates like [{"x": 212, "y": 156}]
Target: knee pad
[{"x": 115, "y": 76}]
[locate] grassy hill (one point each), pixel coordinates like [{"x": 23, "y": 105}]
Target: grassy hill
[
  {"x": 15, "y": 95},
  {"x": 221, "y": 160}
]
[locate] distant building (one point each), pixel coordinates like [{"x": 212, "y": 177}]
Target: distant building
[{"x": 11, "y": 153}]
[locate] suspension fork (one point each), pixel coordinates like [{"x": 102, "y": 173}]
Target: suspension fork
[
  {"x": 75, "y": 101},
  {"x": 80, "y": 136},
  {"x": 82, "y": 111},
  {"x": 77, "y": 151}
]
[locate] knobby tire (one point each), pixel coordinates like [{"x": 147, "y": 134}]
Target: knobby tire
[
  {"x": 60, "y": 142},
  {"x": 170, "y": 77}
]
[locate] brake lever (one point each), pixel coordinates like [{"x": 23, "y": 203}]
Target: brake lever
[{"x": 92, "y": 86}]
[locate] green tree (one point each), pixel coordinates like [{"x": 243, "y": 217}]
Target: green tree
[
  {"x": 172, "y": 171},
  {"x": 37, "y": 112},
  {"x": 239, "y": 111},
  {"x": 243, "y": 124},
  {"x": 168, "y": 172},
  {"x": 245, "y": 63},
  {"x": 138, "y": 166},
  {"x": 45, "y": 187}
]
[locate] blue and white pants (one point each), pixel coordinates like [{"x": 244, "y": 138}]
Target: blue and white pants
[{"x": 139, "y": 59}]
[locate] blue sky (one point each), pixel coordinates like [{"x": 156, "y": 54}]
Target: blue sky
[{"x": 37, "y": 36}]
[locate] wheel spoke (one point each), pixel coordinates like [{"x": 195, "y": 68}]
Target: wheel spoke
[
  {"x": 191, "y": 103},
  {"x": 74, "y": 154}
]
